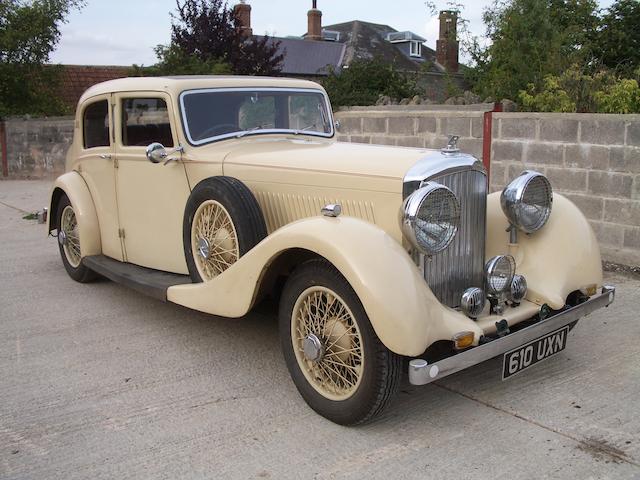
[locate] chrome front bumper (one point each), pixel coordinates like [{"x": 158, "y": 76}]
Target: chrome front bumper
[{"x": 421, "y": 372}]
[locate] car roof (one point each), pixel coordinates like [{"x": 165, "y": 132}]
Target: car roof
[{"x": 179, "y": 84}]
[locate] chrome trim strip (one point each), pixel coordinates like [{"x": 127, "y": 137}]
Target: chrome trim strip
[
  {"x": 286, "y": 131},
  {"x": 421, "y": 373},
  {"x": 438, "y": 164}
]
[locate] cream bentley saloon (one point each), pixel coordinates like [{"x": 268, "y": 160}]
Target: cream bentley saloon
[{"x": 216, "y": 192}]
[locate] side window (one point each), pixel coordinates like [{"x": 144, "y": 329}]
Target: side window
[
  {"x": 95, "y": 125},
  {"x": 145, "y": 121}
]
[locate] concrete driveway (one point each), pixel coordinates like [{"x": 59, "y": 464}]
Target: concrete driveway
[{"x": 97, "y": 381}]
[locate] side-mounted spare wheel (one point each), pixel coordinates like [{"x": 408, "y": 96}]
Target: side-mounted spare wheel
[
  {"x": 222, "y": 222},
  {"x": 69, "y": 242},
  {"x": 340, "y": 367}
]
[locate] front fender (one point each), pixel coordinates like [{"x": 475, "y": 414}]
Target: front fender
[
  {"x": 75, "y": 188},
  {"x": 562, "y": 257},
  {"x": 403, "y": 311}
]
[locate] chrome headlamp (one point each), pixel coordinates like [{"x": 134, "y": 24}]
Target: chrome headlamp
[
  {"x": 431, "y": 218},
  {"x": 499, "y": 272},
  {"x": 527, "y": 201}
]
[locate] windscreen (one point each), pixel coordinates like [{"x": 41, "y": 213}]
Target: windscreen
[{"x": 211, "y": 115}]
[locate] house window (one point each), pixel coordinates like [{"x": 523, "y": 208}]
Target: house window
[{"x": 415, "y": 49}]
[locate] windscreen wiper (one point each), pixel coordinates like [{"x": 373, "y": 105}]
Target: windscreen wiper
[{"x": 248, "y": 131}]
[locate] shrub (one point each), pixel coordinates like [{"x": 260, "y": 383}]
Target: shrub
[{"x": 364, "y": 81}]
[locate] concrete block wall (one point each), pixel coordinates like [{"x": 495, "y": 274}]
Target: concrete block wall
[
  {"x": 412, "y": 128},
  {"x": 37, "y": 147},
  {"x": 593, "y": 159}
]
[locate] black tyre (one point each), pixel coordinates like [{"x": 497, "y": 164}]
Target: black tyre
[
  {"x": 69, "y": 243},
  {"x": 222, "y": 222},
  {"x": 335, "y": 359}
]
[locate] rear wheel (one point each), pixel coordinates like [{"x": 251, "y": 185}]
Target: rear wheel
[
  {"x": 336, "y": 361},
  {"x": 69, "y": 243}
]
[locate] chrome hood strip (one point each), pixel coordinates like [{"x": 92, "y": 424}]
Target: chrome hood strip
[{"x": 438, "y": 164}]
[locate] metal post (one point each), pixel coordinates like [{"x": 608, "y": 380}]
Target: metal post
[{"x": 487, "y": 137}]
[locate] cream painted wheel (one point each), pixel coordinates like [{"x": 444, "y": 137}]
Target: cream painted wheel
[
  {"x": 66, "y": 223},
  {"x": 327, "y": 343},
  {"x": 69, "y": 236},
  {"x": 214, "y": 239},
  {"x": 222, "y": 222},
  {"x": 336, "y": 360}
]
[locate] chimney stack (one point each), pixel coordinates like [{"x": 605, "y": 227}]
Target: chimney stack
[
  {"x": 314, "y": 27},
  {"x": 242, "y": 12},
  {"x": 447, "y": 45}
]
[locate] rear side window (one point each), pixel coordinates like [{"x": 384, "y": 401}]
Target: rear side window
[
  {"x": 145, "y": 121},
  {"x": 95, "y": 123}
]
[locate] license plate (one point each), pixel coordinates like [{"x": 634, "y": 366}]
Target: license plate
[{"x": 533, "y": 352}]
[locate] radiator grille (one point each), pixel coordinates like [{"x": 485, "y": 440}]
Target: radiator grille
[{"x": 461, "y": 265}]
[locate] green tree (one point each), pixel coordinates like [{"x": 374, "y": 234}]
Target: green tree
[
  {"x": 204, "y": 34},
  {"x": 173, "y": 61},
  {"x": 618, "y": 39},
  {"x": 577, "y": 91},
  {"x": 531, "y": 39},
  {"x": 29, "y": 32},
  {"x": 364, "y": 81}
]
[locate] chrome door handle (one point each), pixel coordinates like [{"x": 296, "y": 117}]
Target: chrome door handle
[{"x": 105, "y": 156}]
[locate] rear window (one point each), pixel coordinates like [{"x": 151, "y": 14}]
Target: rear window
[{"x": 95, "y": 123}]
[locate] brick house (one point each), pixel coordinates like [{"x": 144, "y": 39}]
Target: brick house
[
  {"x": 324, "y": 49},
  {"x": 334, "y": 47}
]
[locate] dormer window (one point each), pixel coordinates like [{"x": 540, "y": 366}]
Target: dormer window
[
  {"x": 330, "y": 36},
  {"x": 415, "y": 49}
]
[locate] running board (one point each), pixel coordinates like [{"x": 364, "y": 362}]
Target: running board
[{"x": 147, "y": 281}]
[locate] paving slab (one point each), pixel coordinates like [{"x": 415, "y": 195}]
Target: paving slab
[{"x": 97, "y": 381}]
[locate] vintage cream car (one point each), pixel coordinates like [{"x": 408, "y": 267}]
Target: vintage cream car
[{"x": 216, "y": 192}]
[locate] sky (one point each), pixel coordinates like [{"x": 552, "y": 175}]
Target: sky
[{"x": 124, "y": 32}]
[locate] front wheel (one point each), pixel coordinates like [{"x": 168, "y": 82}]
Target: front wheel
[{"x": 335, "y": 359}]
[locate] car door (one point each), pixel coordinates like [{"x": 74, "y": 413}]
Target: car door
[
  {"x": 96, "y": 164},
  {"x": 151, "y": 196}
]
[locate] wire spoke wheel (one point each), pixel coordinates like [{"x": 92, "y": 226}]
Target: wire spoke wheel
[
  {"x": 70, "y": 236},
  {"x": 327, "y": 343},
  {"x": 214, "y": 240}
]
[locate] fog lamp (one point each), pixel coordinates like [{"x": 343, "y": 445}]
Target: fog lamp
[
  {"x": 462, "y": 340},
  {"x": 518, "y": 288},
  {"x": 499, "y": 272},
  {"x": 472, "y": 302}
]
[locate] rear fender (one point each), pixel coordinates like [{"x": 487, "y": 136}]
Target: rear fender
[
  {"x": 74, "y": 187},
  {"x": 403, "y": 311}
]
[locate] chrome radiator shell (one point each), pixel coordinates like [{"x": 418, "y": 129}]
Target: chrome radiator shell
[{"x": 460, "y": 266}]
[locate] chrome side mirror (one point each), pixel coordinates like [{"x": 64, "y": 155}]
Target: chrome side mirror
[{"x": 156, "y": 153}]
